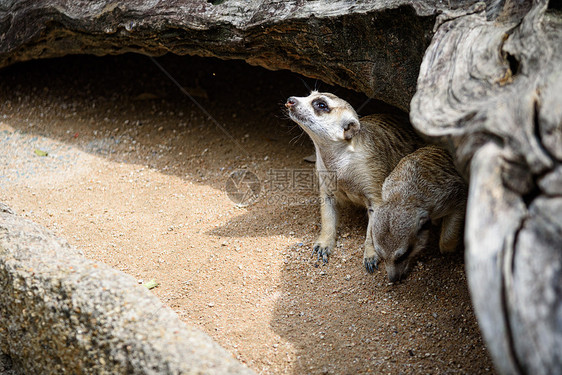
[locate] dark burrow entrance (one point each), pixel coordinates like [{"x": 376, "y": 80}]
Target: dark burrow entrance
[{"x": 111, "y": 154}]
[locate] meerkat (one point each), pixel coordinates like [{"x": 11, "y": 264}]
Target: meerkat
[
  {"x": 424, "y": 188},
  {"x": 353, "y": 157}
]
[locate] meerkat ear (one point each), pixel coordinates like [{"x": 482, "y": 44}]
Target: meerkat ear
[
  {"x": 423, "y": 220},
  {"x": 350, "y": 129}
]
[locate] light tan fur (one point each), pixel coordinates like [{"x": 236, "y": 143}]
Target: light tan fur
[
  {"x": 423, "y": 188},
  {"x": 357, "y": 154}
]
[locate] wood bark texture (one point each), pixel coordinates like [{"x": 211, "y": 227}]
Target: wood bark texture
[
  {"x": 373, "y": 46},
  {"x": 490, "y": 87}
]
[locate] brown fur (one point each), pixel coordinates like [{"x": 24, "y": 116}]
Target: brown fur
[
  {"x": 360, "y": 153},
  {"x": 424, "y": 187}
]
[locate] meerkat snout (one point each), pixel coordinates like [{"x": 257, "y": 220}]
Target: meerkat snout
[
  {"x": 393, "y": 274},
  {"x": 291, "y": 102}
]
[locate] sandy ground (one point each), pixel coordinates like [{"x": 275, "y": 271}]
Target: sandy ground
[{"x": 137, "y": 176}]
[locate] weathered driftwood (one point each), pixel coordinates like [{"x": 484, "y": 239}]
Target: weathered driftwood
[
  {"x": 490, "y": 87},
  {"x": 374, "y": 46}
]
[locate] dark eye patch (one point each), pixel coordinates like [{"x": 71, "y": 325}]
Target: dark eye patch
[
  {"x": 320, "y": 105},
  {"x": 404, "y": 256}
]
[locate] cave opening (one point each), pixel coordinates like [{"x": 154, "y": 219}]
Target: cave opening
[{"x": 110, "y": 153}]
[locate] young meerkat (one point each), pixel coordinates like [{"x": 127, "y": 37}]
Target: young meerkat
[
  {"x": 424, "y": 187},
  {"x": 353, "y": 157}
]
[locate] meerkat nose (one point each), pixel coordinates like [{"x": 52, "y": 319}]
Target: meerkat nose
[
  {"x": 393, "y": 277},
  {"x": 290, "y": 102}
]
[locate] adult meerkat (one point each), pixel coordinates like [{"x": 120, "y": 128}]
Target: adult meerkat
[
  {"x": 424, "y": 187},
  {"x": 355, "y": 154}
]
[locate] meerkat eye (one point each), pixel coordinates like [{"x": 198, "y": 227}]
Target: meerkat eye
[
  {"x": 320, "y": 105},
  {"x": 404, "y": 256}
]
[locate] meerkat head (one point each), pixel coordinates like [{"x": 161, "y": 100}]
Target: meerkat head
[
  {"x": 399, "y": 233},
  {"x": 324, "y": 116}
]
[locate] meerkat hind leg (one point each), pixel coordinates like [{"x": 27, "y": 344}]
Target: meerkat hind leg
[
  {"x": 451, "y": 228},
  {"x": 327, "y": 239}
]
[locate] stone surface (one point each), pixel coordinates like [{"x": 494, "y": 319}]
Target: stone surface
[
  {"x": 61, "y": 313},
  {"x": 373, "y": 46}
]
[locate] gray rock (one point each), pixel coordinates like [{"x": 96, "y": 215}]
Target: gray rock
[{"x": 62, "y": 313}]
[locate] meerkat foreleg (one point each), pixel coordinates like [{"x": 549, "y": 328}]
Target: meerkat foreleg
[
  {"x": 370, "y": 257},
  {"x": 451, "y": 230},
  {"x": 329, "y": 217}
]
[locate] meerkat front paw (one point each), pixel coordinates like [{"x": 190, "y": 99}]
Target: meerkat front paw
[
  {"x": 371, "y": 263},
  {"x": 322, "y": 250},
  {"x": 370, "y": 258}
]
